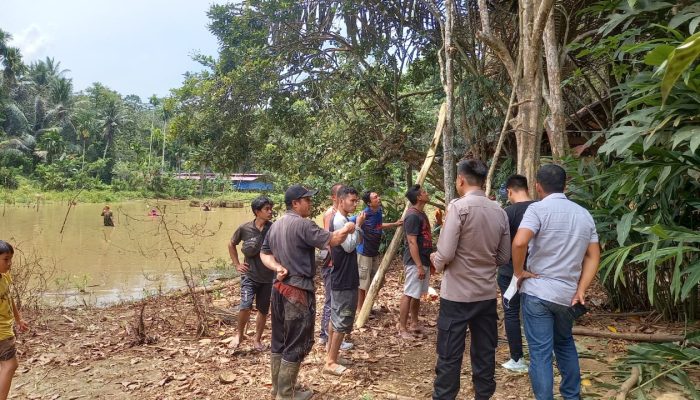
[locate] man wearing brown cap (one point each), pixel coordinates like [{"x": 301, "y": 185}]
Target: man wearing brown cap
[{"x": 289, "y": 250}]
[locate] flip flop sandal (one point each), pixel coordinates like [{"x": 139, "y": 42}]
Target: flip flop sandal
[
  {"x": 337, "y": 371},
  {"x": 344, "y": 361},
  {"x": 261, "y": 347}
]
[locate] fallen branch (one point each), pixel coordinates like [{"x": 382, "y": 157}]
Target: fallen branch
[
  {"x": 205, "y": 289},
  {"x": 636, "y": 337},
  {"x": 628, "y": 384},
  {"x": 622, "y": 314}
]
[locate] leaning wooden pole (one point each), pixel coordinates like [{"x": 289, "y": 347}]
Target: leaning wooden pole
[{"x": 398, "y": 236}]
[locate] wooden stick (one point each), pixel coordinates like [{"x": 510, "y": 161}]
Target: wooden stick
[
  {"x": 628, "y": 384},
  {"x": 621, "y": 314},
  {"x": 398, "y": 236},
  {"x": 637, "y": 337}
]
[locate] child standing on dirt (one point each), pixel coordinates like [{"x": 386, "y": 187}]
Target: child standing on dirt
[{"x": 9, "y": 314}]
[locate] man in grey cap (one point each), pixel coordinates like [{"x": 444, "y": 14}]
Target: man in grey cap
[{"x": 289, "y": 250}]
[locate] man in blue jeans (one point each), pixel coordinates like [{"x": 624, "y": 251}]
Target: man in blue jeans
[{"x": 561, "y": 243}]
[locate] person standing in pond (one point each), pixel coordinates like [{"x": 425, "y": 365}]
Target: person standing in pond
[
  {"x": 416, "y": 259},
  {"x": 107, "y": 216},
  {"x": 256, "y": 279},
  {"x": 10, "y": 318},
  {"x": 288, "y": 250},
  {"x": 519, "y": 198},
  {"x": 371, "y": 224},
  {"x": 344, "y": 282},
  {"x": 473, "y": 242},
  {"x": 560, "y": 241}
]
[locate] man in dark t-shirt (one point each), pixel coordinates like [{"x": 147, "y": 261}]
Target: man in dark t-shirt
[
  {"x": 344, "y": 282},
  {"x": 256, "y": 279},
  {"x": 519, "y": 198},
  {"x": 289, "y": 250},
  {"x": 371, "y": 224},
  {"x": 416, "y": 259}
]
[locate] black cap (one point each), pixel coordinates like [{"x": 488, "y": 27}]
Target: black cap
[{"x": 296, "y": 192}]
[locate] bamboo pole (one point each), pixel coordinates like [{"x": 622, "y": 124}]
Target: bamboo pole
[{"x": 398, "y": 236}]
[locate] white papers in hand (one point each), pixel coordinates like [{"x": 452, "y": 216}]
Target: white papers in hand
[{"x": 512, "y": 289}]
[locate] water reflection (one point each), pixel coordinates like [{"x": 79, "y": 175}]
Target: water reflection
[{"x": 134, "y": 258}]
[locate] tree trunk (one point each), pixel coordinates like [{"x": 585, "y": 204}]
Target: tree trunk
[
  {"x": 528, "y": 124},
  {"x": 528, "y": 132},
  {"x": 555, "y": 124},
  {"x": 448, "y": 162},
  {"x": 162, "y": 160}
]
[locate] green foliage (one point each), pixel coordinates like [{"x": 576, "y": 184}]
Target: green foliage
[
  {"x": 8, "y": 178},
  {"x": 666, "y": 362},
  {"x": 68, "y": 173},
  {"x": 643, "y": 189}
]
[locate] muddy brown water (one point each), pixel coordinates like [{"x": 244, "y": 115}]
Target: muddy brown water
[{"x": 102, "y": 265}]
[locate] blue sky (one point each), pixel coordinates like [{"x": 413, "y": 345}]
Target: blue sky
[{"x": 134, "y": 47}]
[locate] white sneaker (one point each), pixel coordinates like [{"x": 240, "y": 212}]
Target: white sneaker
[
  {"x": 515, "y": 366},
  {"x": 345, "y": 346}
]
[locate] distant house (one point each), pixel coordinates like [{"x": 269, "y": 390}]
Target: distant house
[{"x": 250, "y": 182}]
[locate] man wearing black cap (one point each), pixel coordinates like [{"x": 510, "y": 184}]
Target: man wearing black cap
[{"x": 288, "y": 250}]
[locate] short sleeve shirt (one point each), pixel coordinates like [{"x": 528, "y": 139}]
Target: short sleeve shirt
[
  {"x": 371, "y": 233},
  {"x": 292, "y": 240},
  {"x": 344, "y": 275},
  {"x": 416, "y": 224},
  {"x": 7, "y": 317},
  {"x": 562, "y": 232},
  {"x": 515, "y": 214},
  {"x": 249, "y": 234}
]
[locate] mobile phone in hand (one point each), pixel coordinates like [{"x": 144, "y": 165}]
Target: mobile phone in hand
[{"x": 577, "y": 310}]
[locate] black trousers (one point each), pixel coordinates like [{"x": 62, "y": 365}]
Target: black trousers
[
  {"x": 511, "y": 316},
  {"x": 293, "y": 317},
  {"x": 482, "y": 320}
]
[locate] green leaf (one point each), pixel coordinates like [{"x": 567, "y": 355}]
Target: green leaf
[
  {"x": 657, "y": 56},
  {"x": 623, "y": 228},
  {"x": 651, "y": 271},
  {"x": 693, "y": 25},
  {"x": 680, "y": 59},
  {"x": 691, "y": 280},
  {"x": 680, "y": 18},
  {"x": 687, "y": 133}
]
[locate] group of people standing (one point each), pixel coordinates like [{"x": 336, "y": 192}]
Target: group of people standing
[{"x": 550, "y": 247}]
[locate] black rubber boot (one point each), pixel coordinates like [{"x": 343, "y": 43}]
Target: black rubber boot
[
  {"x": 275, "y": 360},
  {"x": 286, "y": 383}
]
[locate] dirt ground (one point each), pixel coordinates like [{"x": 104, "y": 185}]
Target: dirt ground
[{"x": 89, "y": 354}]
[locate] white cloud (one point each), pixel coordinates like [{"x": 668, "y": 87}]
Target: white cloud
[{"x": 32, "y": 42}]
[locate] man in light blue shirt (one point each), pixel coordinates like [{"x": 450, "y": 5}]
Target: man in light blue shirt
[{"x": 562, "y": 243}]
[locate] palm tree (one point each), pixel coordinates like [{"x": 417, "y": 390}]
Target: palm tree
[
  {"x": 42, "y": 74},
  {"x": 111, "y": 118}
]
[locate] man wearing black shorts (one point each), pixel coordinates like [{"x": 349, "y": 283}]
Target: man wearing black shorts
[{"x": 256, "y": 279}]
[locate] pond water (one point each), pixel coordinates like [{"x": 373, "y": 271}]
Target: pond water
[{"x": 102, "y": 265}]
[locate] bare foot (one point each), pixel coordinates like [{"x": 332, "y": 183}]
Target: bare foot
[
  {"x": 235, "y": 342},
  {"x": 258, "y": 346},
  {"x": 417, "y": 329},
  {"x": 403, "y": 333}
]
